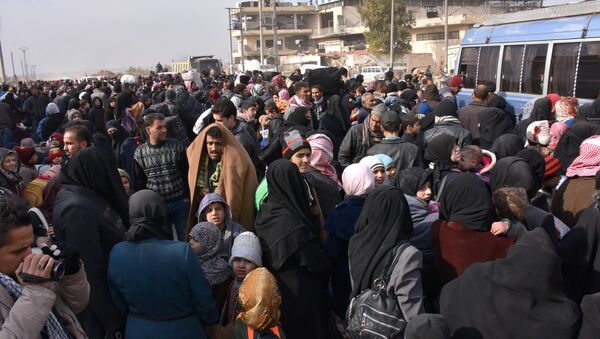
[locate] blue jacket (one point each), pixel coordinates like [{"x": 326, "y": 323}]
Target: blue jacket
[{"x": 161, "y": 287}]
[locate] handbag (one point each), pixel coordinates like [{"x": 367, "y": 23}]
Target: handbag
[{"x": 373, "y": 313}]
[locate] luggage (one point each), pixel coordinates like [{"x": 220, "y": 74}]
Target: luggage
[{"x": 329, "y": 78}]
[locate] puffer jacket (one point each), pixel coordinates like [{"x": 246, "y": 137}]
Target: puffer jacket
[
  {"x": 26, "y": 317},
  {"x": 451, "y": 126}
]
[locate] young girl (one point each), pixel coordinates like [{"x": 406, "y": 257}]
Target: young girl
[
  {"x": 259, "y": 299},
  {"x": 207, "y": 243}
]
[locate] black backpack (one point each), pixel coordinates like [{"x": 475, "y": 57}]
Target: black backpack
[{"x": 373, "y": 313}]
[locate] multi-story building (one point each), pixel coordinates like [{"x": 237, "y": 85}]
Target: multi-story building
[{"x": 325, "y": 27}]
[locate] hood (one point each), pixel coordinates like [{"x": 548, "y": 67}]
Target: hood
[
  {"x": 418, "y": 208},
  {"x": 5, "y": 151},
  {"x": 209, "y": 199}
]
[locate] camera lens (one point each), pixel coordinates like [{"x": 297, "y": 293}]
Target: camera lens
[{"x": 58, "y": 270}]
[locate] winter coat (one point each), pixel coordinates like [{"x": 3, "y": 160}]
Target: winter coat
[
  {"x": 405, "y": 154},
  {"x": 468, "y": 118},
  {"x": 85, "y": 221},
  {"x": 177, "y": 304},
  {"x": 451, "y": 126},
  {"x": 353, "y": 147},
  {"x": 26, "y": 317}
]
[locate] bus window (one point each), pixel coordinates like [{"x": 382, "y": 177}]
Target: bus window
[
  {"x": 468, "y": 66},
  {"x": 588, "y": 82},
  {"x": 534, "y": 62},
  {"x": 488, "y": 64},
  {"x": 562, "y": 68},
  {"x": 512, "y": 61}
]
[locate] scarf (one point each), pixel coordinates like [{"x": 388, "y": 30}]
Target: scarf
[
  {"x": 148, "y": 217},
  {"x": 557, "y": 130},
  {"x": 260, "y": 300},
  {"x": 53, "y": 327},
  {"x": 204, "y": 181},
  {"x": 467, "y": 200},
  {"x": 216, "y": 269},
  {"x": 588, "y": 161},
  {"x": 358, "y": 180},
  {"x": 369, "y": 137},
  {"x": 322, "y": 156},
  {"x": 232, "y": 301},
  {"x": 296, "y": 101}
]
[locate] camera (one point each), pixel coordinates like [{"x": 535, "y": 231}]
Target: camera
[{"x": 58, "y": 267}]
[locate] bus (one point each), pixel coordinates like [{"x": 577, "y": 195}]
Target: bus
[
  {"x": 202, "y": 63},
  {"x": 528, "y": 55}
]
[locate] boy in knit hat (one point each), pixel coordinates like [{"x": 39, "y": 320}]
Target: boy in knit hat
[{"x": 246, "y": 256}]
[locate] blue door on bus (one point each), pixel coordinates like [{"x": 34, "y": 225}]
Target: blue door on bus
[{"x": 527, "y": 60}]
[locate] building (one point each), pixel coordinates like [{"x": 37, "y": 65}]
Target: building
[{"x": 334, "y": 29}]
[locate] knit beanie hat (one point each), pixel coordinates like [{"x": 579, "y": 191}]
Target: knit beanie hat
[
  {"x": 52, "y": 108},
  {"x": 71, "y": 115},
  {"x": 25, "y": 153},
  {"x": 292, "y": 143},
  {"x": 427, "y": 326},
  {"x": 445, "y": 107},
  {"x": 54, "y": 153},
  {"x": 246, "y": 246},
  {"x": 538, "y": 132},
  {"x": 372, "y": 162},
  {"x": 455, "y": 81},
  {"x": 552, "y": 166}
]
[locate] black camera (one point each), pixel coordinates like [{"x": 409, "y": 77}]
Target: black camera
[{"x": 58, "y": 267}]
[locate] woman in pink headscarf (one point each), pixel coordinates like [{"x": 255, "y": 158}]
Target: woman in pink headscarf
[{"x": 575, "y": 194}]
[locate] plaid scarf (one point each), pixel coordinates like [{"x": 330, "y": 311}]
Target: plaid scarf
[
  {"x": 209, "y": 184},
  {"x": 53, "y": 327}
]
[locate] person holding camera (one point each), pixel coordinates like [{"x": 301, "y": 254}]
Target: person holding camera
[{"x": 39, "y": 295}]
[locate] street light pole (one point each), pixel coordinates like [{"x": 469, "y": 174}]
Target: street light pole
[
  {"x": 25, "y": 66},
  {"x": 2, "y": 63},
  {"x": 260, "y": 30},
  {"x": 392, "y": 36},
  {"x": 274, "y": 22},
  {"x": 230, "y": 43},
  {"x": 243, "y": 26},
  {"x": 446, "y": 34}
]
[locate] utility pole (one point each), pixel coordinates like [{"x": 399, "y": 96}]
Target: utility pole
[
  {"x": 274, "y": 22},
  {"x": 230, "y": 43},
  {"x": 22, "y": 70},
  {"x": 12, "y": 61},
  {"x": 2, "y": 63},
  {"x": 392, "y": 36},
  {"x": 33, "y": 72},
  {"x": 243, "y": 26},
  {"x": 25, "y": 67},
  {"x": 260, "y": 30},
  {"x": 446, "y": 35}
]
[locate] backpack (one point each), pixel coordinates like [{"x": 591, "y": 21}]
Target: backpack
[
  {"x": 328, "y": 78},
  {"x": 373, "y": 313}
]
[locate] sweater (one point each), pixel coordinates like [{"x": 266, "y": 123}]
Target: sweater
[{"x": 162, "y": 168}]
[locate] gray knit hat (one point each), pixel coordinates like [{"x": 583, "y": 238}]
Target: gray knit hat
[{"x": 246, "y": 246}]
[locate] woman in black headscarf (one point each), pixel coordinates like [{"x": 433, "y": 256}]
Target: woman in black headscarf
[
  {"x": 385, "y": 223},
  {"x": 89, "y": 214},
  {"x": 519, "y": 296},
  {"x": 493, "y": 122},
  {"x": 536, "y": 163},
  {"x": 567, "y": 148},
  {"x": 444, "y": 153},
  {"x": 542, "y": 109},
  {"x": 462, "y": 236},
  {"x": 96, "y": 115},
  {"x": 176, "y": 308},
  {"x": 289, "y": 235},
  {"x": 507, "y": 145}
]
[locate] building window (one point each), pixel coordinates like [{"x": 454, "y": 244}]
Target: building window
[{"x": 437, "y": 36}]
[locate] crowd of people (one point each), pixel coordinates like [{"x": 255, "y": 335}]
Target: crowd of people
[{"x": 269, "y": 206}]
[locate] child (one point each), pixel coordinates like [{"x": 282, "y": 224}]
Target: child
[
  {"x": 543, "y": 198},
  {"x": 389, "y": 165},
  {"x": 478, "y": 161},
  {"x": 213, "y": 208},
  {"x": 246, "y": 256},
  {"x": 207, "y": 243},
  {"x": 411, "y": 126},
  {"x": 259, "y": 299},
  {"x": 9, "y": 171},
  {"x": 511, "y": 205},
  {"x": 125, "y": 180}
]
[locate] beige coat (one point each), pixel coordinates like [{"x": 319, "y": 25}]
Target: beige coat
[{"x": 25, "y": 318}]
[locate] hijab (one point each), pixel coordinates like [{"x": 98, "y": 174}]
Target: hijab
[
  {"x": 411, "y": 179},
  {"x": 439, "y": 153},
  {"x": 513, "y": 172},
  {"x": 260, "y": 299},
  {"x": 557, "y": 130},
  {"x": 541, "y": 111},
  {"x": 587, "y": 163},
  {"x": 358, "y": 179},
  {"x": 536, "y": 162},
  {"x": 298, "y": 117},
  {"x": 95, "y": 170},
  {"x": 493, "y": 122},
  {"x": 284, "y": 222},
  {"x": 383, "y": 224},
  {"x": 216, "y": 269},
  {"x": 567, "y": 148},
  {"x": 507, "y": 145},
  {"x": 148, "y": 217},
  {"x": 524, "y": 289},
  {"x": 467, "y": 200}
]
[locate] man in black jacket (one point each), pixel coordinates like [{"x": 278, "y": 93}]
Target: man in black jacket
[
  {"x": 404, "y": 153},
  {"x": 361, "y": 137}
]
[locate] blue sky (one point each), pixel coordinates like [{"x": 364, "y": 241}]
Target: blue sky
[{"x": 74, "y": 35}]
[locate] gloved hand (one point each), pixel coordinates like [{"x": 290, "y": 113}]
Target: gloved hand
[{"x": 69, "y": 255}]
